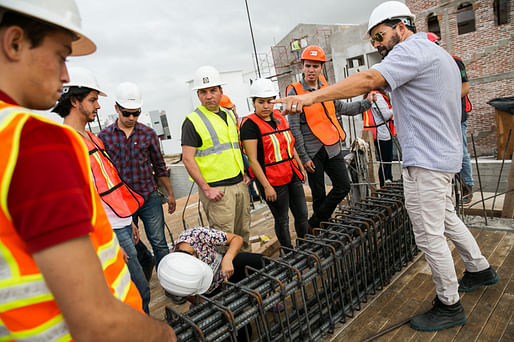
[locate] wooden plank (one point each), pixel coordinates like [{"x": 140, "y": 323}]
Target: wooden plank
[
  {"x": 508, "y": 202},
  {"x": 497, "y": 324},
  {"x": 486, "y": 299},
  {"x": 508, "y": 335}
]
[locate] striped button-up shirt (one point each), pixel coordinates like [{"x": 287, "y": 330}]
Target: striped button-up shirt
[
  {"x": 425, "y": 89},
  {"x": 136, "y": 157}
]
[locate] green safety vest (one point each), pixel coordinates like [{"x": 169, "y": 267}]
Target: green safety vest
[{"x": 219, "y": 157}]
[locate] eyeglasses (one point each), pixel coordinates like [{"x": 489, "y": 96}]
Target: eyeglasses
[
  {"x": 127, "y": 114},
  {"x": 379, "y": 36}
]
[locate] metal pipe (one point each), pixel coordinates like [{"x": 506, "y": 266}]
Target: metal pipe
[
  {"x": 253, "y": 40},
  {"x": 479, "y": 179}
]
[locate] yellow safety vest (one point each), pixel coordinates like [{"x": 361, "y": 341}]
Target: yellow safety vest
[{"x": 219, "y": 157}]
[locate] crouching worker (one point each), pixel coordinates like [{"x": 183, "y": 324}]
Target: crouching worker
[{"x": 196, "y": 267}]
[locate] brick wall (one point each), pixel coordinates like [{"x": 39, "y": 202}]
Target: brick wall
[{"x": 488, "y": 54}]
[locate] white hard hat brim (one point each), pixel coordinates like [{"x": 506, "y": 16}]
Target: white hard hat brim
[
  {"x": 209, "y": 86},
  {"x": 81, "y": 46}
]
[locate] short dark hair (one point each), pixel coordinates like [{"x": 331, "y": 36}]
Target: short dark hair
[
  {"x": 63, "y": 107},
  {"x": 35, "y": 29},
  {"x": 394, "y": 22}
]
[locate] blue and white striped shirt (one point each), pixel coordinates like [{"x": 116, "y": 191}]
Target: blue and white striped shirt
[{"x": 425, "y": 88}]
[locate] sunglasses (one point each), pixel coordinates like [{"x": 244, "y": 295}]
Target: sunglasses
[
  {"x": 379, "y": 36},
  {"x": 127, "y": 114}
]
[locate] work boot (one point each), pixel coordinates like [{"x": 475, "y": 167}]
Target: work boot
[
  {"x": 473, "y": 280},
  {"x": 467, "y": 194},
  {"x": 440, "y": 317}
]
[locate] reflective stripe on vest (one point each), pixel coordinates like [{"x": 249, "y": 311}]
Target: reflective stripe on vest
[
  {"x": 219, "y": 156},
  {"x": 321, "y": 117},
  {"x": 123, "y": 201},
  {"x": 217, "y": 147},
  {"x": 23, "y": 291},
  {"x": 278, "y": 148},
  {"x": 368, "y": 119}
]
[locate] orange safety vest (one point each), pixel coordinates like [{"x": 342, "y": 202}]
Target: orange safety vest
[
  {"x": 369, "y": 120},
  {"x": 278, "y": 145},
  {"x": 28, "y": 310},
  {"x": 321, "y": 117},
  {"x": 112, "y": 190}
]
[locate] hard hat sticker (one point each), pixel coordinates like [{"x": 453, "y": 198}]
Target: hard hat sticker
[
  {"x": 314, "y": 53},
  {"x": 205, "y": 80}
]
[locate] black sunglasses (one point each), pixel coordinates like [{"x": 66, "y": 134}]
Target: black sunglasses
[
  {"x": 127, "y": 114},
  {"x": 379, "y": 36}
]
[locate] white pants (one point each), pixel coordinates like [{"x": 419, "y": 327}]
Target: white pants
[{"x": 429, "y": 204}]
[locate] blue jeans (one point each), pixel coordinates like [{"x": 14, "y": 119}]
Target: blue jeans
[
  {"x": 466, "y": 173},
  {"x": 137, "y": 275},
  {"x": 153, "y": 219},
  {"x": 323, "y": 204},
  {"x": 290, "y": 195}
]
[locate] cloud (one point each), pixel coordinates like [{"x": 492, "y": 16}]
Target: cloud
[{"x": 158, "y": 44}]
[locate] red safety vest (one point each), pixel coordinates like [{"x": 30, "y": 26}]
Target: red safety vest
[
  {"x": 278, "y": 145},
  {"x": 321, "y": 117},
  {"x": 28, "y": 311},
  {"x": 112, "y": 190},
  {"x": 369, "y": 120}
]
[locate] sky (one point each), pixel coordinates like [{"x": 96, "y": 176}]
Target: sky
[{"x": 158, "y": 44}]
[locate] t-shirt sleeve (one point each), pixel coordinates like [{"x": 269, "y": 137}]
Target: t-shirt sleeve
[
  {"x": 462, "y": 69},
  {"x": 401, "y": 65},
  {"x": 189, "y": 135},
  {"x": 250, "y": 130},
  {"x": 49, "y": 200}
]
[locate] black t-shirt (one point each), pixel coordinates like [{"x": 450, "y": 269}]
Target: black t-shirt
[
  {"x": 190, "y": 137},
  {"x": 464, "y": 78},
  {"x": 250, "y": 131}
]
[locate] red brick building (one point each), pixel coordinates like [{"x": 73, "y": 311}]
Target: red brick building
[{"x": 480, "y": 32}]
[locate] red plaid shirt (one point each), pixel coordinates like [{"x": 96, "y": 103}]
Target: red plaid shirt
[{"x": 136, "y": 157}]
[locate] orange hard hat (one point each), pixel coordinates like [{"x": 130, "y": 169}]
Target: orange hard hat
[
  {"x": 313, "y": 53},
  {"x": 225, "y": 102}
]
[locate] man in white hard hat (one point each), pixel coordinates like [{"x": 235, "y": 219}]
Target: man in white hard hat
[
  {"x": 62, "y": 276},
  {"x": 78, "y": 105},
  {"x": 212, "y": 157},
  {"x": 425, "y": 85},
  {"x": 135, "y": 150}
]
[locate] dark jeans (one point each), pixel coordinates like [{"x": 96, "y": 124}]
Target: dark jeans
[
  {"x": 153, "y": 219},
  {"x": 290, "y": 195},
  {"x": 137, "y": 275},
  {"x": 385, "y": 154},
  {"x": 324, "y": 205}
]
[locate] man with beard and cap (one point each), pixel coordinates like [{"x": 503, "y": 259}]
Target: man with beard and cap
[
  {"x": 62, "y": 274},
  {"x": 78, "y": 106},
  {"x": 425, "y": 86}
]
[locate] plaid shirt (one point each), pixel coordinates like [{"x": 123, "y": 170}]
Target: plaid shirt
[{"x": 136, "y": 157}]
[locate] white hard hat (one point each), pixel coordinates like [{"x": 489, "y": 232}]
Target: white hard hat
[
  {"x": 63, "y": 13},
  {"x": 389, "y": 10},
  {"x": 263, "y": 87},
  {"x": 205, "y": 77},
  {"x": 183, "y": 275},
  {"x": 82, "y": 77},
  {"x": 128, "y": 96}
]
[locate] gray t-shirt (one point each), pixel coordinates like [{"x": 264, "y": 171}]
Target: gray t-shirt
[
  {"x": 306, "y": 143},
  {"x": 425, "y": 86}
]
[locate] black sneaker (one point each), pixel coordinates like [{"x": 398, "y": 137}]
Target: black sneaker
[
  {"x": 440, "y": 317},
  {"x": 473, "y": 280}
]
